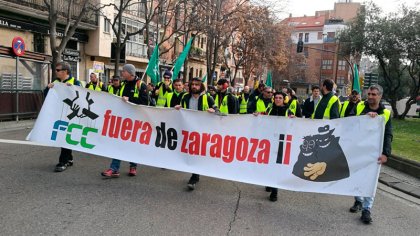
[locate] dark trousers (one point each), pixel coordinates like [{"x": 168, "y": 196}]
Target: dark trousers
[
  {"x": 65, "y": 156},
  {"x": 195, "y": 177}
]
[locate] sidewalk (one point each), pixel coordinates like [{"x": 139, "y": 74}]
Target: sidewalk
[{"x": 391, "y": 177}]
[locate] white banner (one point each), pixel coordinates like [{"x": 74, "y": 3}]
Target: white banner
[{"x": 326, "y": 156}]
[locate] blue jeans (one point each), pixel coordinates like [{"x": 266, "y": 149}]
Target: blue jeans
[
  {"x": 115, "y": 164},
  {"x": 367, "y": 202}
]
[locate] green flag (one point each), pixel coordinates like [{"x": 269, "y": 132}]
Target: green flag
[
  {"x": 356, "y": 82},
  {"x": 204, "y": 78},
  {"x": 269, "y": 81},
  {"x": 153, "y": 66},
  {"x": 180, "y": 61}
]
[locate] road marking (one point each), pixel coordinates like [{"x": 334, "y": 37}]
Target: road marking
[{"x": 10, "y": 141}]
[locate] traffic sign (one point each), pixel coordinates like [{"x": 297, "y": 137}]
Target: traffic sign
[{"x": 18, "y": 46}]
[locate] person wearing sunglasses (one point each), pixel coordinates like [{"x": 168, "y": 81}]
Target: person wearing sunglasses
[
  {"x": 349, "y": 107},
  {"x": 263, "y": 102},
  {"x": 63, "y": 75}
]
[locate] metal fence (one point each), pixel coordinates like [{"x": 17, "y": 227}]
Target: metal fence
[{"x": 21, "y": 96}]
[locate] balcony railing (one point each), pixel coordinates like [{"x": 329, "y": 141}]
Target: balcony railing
[
  {"x": 135, "y": 49},
  {"x": 62, "y": 8}
]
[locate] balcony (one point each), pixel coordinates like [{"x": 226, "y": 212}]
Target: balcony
[
  {"x": 38, "y": 9},
  {"x": 135, "y": 49},
  {"x": 197, "y": 53}
]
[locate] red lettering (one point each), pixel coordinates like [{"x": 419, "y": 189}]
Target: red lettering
[
  {"x": 251, "y": 153},
  {"x": 194, "y": 146},
  {"x": 126, "y": 128},
  {"x": 264, "y": 153},
  {"x": 242, "y": 149},
  {"x": 184, "y": 141},
  {"x": 106, "y": 122},
  {"x": 229, "y": 148},
  {"x": 137, "y": 126},
  {"x": 146, "y": 135},
  {"x": 205, "y": 139},
  {"x": 216, "y": 148},
  {"x": 115, "y": 126}
]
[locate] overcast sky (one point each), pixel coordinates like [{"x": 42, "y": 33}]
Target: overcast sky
[{"x": 308, "y": 7}]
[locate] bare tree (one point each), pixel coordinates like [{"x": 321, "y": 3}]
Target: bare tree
[{"x": 70, "y": 13}]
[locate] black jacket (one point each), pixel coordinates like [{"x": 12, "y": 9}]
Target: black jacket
[
  {"x": 279, "y": 111},
  {"x": 129, "y": 89},
  {"x": 231, "y": 102},
  {"x": 308, "y": 107},
  {"x": 322, "y": 105},
  {"x": 298, "y": 108},
  {"x": 386, "y": 150}
]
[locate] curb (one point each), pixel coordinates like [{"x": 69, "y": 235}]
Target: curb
[
  {"x": 406, "y": 166},
  {"x": 400, "y": 185}
]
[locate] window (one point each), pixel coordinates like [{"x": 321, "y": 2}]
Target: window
[
  {"x": 300, "y": 36},
  {"x": 326, "y": 64},
  {"x": 341, "y": 81},
  {"x": 341, "y": 65},
  {"x": 107, "y": 26},
  {"x": 39, "y": 43},
  {"x": 319, "y": 36},
  {"x": 306, "y": 37}
]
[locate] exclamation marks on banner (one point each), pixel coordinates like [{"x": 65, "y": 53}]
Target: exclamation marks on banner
[{"x": 283, "y": 154}]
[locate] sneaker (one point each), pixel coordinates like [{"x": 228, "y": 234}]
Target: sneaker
[
  {"x": 357, "y": 206},
  {"x": 111, "y": 173},
  {"x": 273, "y": 197},
  {"x": 133, "y": 171},
  {"x": 191, "y": 184},
  {"x": 366, "y": 218},
  {"x": 60, "y": 167},
  {"x": 70, "y": 163}
]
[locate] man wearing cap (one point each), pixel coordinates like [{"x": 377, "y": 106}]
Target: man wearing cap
[
  {"x": 224, "y": 100},
  {"x": 114, "y": 88},
  {"x": 196, "y": 99},
  {"x": 163, "y": 88},
  {"x": 135, "y": 91},
  {"x": 349, "y": 107},
  {"x": 329, "y": 105},
  {"x": 311, "y": 102},
  {"x": 95, "y": 84},
  {"x": 63, "y": 75},
  {"x": 373, "y": 108}
]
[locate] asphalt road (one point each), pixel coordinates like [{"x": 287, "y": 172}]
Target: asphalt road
[{"x": 34, "y": 200}]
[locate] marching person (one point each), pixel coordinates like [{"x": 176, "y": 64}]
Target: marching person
[
  {"x": 115, "y": 85},
  {"x": 174, "y": 98},
  {"x": 278, "y": 108},
  {"x": 293, "y": 103},
  {"x": 243, "y": 101},
  {"x": 224, "y": 100},
  {"x": 349, "y": 107},
  {"x": 329, "y": 105},
  {"x": 133, "y": 90},
  {"x": 163, "y": 88},
  {"x": 311, "y": 102},
  {"x": 95, "y": 84},
  {"x": 263, "y": 101},
  {"x": 196, "y": 99},
  {"x": 63, "y": 75},
  {"x": 373, "y": 108}
]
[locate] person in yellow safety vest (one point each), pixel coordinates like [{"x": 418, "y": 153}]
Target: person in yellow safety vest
[
  {"x": 196, "y": 99},
  {"x": 373, "y": 108},
  {"x": 329, "y": 105},
  {"x": 263, "y": 102},
  {"x": 212, "y": 91},
  {"x": 63, "y": 75},
  {"x": 163, "y": 88},
  {"x": 348, "y": 108},
  {"x": 277, "y": 108},
  {"x": 286, "y": 99},
  {"x": 311, "y": 102},
  {"x": 174, "y": 98},
  {"x": 224, "y": 100},
  {"x": 255, "y": 94},
  {"x": 135, "y": 91},
  {"x": 243, "y": 101},
  {"x": 293, "y": 103},
  {"x": 114, "y": 88},
  {"x": 95, "y": 84}
]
